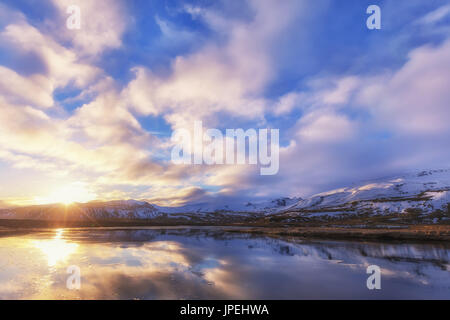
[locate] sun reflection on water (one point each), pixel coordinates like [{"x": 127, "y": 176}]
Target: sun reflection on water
[{"x": 57, "y": 249}]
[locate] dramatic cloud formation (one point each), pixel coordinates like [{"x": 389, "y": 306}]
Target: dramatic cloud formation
[{"x": 92, "y": 110}]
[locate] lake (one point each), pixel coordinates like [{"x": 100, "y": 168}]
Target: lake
[{"x": 210, "y": 263}]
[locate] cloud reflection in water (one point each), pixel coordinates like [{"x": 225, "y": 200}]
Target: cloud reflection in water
[{"x": 203, "y": 263}]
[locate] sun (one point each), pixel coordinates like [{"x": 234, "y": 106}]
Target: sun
[{"x": 69, "y": 194}]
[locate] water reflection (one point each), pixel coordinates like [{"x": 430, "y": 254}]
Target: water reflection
[
  {"x": 196, "y": 263},
  {"x": 56, "y": 249}
]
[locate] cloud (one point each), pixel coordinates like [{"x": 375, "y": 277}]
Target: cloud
[
  {"x": 61, "y": 66},
  {"x": 339, "y": 121},
  {"x": 414, "y": 99},
  {"x": 172, "y": 35},
  {"x": 106, "y": 121},
  {"x": 368, "y": 125},
  {"x": 435, "y": 15},
  {"x": 35, "y": 89},
  {"x": 171, "y": 196},
  {"x": 228, "y": 77},
  {"x": 331, "y": 92},
  {"x": 325, "y": 127},
  {"x": 103, "y": 23}
]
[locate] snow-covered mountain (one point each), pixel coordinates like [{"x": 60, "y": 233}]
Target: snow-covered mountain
[
  {"x": 420, "y": 193},
  {"x": 263, "y": 207},
  {"x": 132, "y": 209},
  {"x": 126, "y": 209}
]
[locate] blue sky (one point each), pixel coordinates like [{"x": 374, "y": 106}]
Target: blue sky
[{"x": 91, "y": 111}]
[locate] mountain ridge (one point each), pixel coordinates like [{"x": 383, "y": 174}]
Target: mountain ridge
[{"x": 421, "y": 193}]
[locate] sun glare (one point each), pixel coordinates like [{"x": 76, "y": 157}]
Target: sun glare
[
  {"x": 68, "y": 194},
  {"x": 56, "y": 249}
]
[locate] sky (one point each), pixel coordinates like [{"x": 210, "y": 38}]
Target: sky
[{"x": 88, "y": 114}]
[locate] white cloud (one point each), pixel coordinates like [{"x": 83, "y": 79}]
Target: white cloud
[
  {"x": 400, "y": 121},
  {"x": 62, "y": 65},
  {"x": 173, "y": 36},
  {"x": 288, "y": 102},
  {"x": 103, "y": 23},
  {"x": 341, "y": 92},
  {"x": 415, "y": 98},
  {"x": 227, "y": 78},
  {"x": 34, "y": 89},
  {"x": 435, "y": 15},
  {"x": 324, "y": 126}
]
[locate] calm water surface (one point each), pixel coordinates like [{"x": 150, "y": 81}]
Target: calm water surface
[{"x": 208, "y": 263}]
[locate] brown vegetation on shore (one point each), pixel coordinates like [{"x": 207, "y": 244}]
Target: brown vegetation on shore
[{"x": 343, "y": 231}]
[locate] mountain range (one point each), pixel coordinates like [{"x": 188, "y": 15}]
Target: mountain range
[{"x": 423, "y": 194}]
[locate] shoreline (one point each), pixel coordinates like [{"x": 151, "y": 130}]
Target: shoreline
[
  {"x": 344, "y": 232},
  {"x": 412, "y": 233}
]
